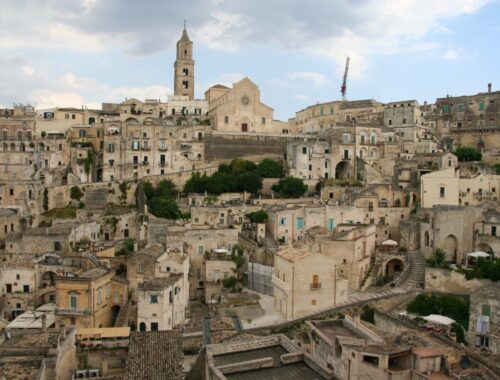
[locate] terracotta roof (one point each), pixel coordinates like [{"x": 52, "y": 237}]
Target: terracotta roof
[
  {"x": 153, "y": 250},
  {"x": 155, "y": 355},
  {"x": 425, "y": 352},
  {"x": 160, "y": 283},
  {"x": 93, "y": 273}
]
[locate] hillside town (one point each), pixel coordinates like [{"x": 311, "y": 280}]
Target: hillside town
[{"x": 204, "y": 239}]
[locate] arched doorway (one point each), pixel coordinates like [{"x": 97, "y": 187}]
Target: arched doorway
[
  {"x": 343, "y": 170},
  {"x": 142, "y": 326},
  {"x": 393, "y": 268},
  {"x": 450, "y": 246},
  {"x": 48, "y": 279}
]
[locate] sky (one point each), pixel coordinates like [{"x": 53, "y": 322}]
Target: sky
[{"x": 85, "y": 52}]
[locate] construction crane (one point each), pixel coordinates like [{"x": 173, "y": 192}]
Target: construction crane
[{"x": 343, "y": 89}]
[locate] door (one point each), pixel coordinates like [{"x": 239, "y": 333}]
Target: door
[
  {"x": 244, "y": 127},
  {"x": 8, "y": 288}
]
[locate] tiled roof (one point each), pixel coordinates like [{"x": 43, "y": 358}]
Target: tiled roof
[
  {"x": 160, "y": 283},
  {"x": 155, "y": 355},
  {"x": 153, "y": 250}
]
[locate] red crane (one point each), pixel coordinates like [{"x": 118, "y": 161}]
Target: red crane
[{"x": 343, "y": 89}]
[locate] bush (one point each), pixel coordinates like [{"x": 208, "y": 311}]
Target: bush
[
  {"x": 229, "y": 282},
  {"x": 459, "y": 332},
  {"x": 468, "y": 153},
  {"x": 368, "y": 314},
  {"x": 258, "y": 216},
  {"x": 45, "y": 199},
  {"x": 127, "y": 248},
  {"x": 290, "y": 187},
  {"x": 485, "y": 269},
  {"x": 438, "y": 260},
  {"x": 75, "y": 193},
  {"x": 451, "y": 306},
  {"x": 270, "y": 168},
  {"x": 161, "y": 200}
]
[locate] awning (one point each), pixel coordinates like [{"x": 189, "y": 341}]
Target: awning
[
  {"x": 389, "y": 242},
  {"x": 478, "y": 254},
  {"x": 439, "y": 319}
]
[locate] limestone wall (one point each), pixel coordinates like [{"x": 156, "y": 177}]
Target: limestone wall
[{"x": 450, "y": 281}]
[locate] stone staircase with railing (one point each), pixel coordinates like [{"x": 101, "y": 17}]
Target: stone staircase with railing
[
  {"x": 96, "y": 199},
  {"x": 269, "y": 243}
]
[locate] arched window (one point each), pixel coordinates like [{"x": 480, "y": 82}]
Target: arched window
[{"x": 142, "y": 326}]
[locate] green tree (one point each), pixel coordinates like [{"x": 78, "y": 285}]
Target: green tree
[
  {"x": 75, "y": 193},
  {"x": 259, "y": 216},
  {"x": 250, "y": 182},
  {"x": 468, "y": 153},
  {"x": 290, "y": 187},
  {"x": 270, "y": 168},
  {"x": 164, "y": 207},
  {"x": 239, "y": 166},
  {"x": 229, "y": 282},
  {"x": 45, "y": 199},
  {"x": 196, "y": 184},
  {"x": 221, "y": 182}
]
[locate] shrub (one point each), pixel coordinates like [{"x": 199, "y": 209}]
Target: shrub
[
  {"x": 468, "y": 153},
  {"x": 270, "y": 168},
  {"x": 229, "y": 282},
  {"x": 290, "y": 187},
  {"x": 75, "y": 193},
  {"x": 260, "y": 216}
]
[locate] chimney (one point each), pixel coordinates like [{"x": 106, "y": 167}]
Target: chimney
[
  {"x": 44, "y": 322},
  {"x": 489, "y": 87}
]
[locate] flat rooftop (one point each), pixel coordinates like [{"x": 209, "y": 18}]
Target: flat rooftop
[
  {"x": 295, "y": 371},
  {"x": 237, "y": 357}
]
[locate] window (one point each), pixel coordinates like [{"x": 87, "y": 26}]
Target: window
[
  {"x": 313, "y": 302},
  {"x": 331, "y": 224},
  {"x": 135, "y": 145},
  {"x": 185, "y": 71},
  {"x": 263, "y": 120},
  {"x": 370, "y": 359},
  {"x": 226, "y": 119},
  {"x": 154, "y": 298},
  {"x": 304, "y": 150},
  {"x": 111, "y": 162},
  {"x": 26, "y": 288},
  {"x": 170, "y": 297},
  {"x": 346, "y": 138},
  {"x": 141, "y": 268},
  {"x": 481, "y": 106},
  {"x": 82, "y": 133},
  {"x": 493, "y": 230},
  {"x": 441, "y": 192},
  {"x": 11, "y": 192},
  {"x": 154, "y": 326},
  {"x": 168, "y": 269},
  {"x": 162, "y": 159},
  {"x": 390, "y": 121},
  {"x": 66, "y": 116},
  {"x": 300, "y": 223},
  {"x": 404, "y": 121},
  {"x": 282, "y": 221},
  {"x": 201, "y": 251},
  {"x": 111, "y": 148},
  {"x": 446, "y": 108},
  {"x": 460, "y": 108},
  {"x": 73, "y": 302},
  {"x": 73, "y": 116},
  {"x": 185, "y": 84},
  {"x": 99, "y": 296},
  {"x": 57, "y": 246}
]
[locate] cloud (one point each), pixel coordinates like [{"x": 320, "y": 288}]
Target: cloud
[
  {"x": 27, "y": 70},
  {"x": 316, "y": 79},
  {"x": 451, "y": 55}
]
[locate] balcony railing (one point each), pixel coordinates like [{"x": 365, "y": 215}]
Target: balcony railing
[
  {"x": 61, "y": 311},
  {"x": 315, "y": 286}
]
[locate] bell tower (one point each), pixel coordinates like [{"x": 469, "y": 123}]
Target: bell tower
[{"x": 184, "y": 66}]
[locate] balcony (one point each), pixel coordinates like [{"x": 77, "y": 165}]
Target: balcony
[
  {"x": 315, "y": 286},
  {"x": 73, "y": 312},
  {"x": 162, "y": 149}
]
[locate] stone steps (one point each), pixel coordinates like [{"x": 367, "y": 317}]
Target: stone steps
[
  {"x": 416, "y": 277},
  {"x": 122, "y": 317}
]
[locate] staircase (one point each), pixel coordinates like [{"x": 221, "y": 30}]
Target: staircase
[
  {"x": 416, "y": 277},
  {"x": 96, "y": 199},
  {"x": 269, "y": 243},
  {"x": 122, "y": 317}
]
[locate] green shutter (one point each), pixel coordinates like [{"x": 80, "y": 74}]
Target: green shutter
[
  {"x": 486, "y": 310},
  {"x": 446, "y": 109},
  {"x": 481, "y": 106},
  {"x": 460, "y": 108},
  {"x": 300, "y": 223}
]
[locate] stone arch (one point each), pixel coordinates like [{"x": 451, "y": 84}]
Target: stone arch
[
  {"x": 393, "y": 267},
  {"x": 12, "y": 146},
  {"x": 450, "y": 247},
  {"x": 363, "y": 137},
  {"x": 132, "y": 120},
  {"x": 142, "y": 326},
  {"x": 49, "y": 279},
  {"x": 343, "y": 170},
  {"x": 485, "y": 248},
  {"x": 426, "y": 238}
]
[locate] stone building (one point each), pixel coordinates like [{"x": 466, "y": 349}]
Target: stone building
[
  {"x": 484, "y": 320},
  {"x": 218, "y": 266},
  {"x": 239, "y": 109},
  {"x": 161, "y": 303},
  {"x": 90, "y": 299},
  {"x": 305, "y": 281},
  {"x": 448, "y": 187},
  {"x": 470, "y": 120},
  {"x": 352, "y": 246}
]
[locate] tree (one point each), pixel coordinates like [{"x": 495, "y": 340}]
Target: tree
[
  {"x": 468, "y": 153},
  {"x": 196, "y": 184},
  {"x": 250, "y": 182},
  {"x": 290, "y": 187},
  {"x": 451, "y": 306},
  {"x": 75, "y": 193},
  {"x": 259, "y": 216},
  {"x": 270, "y": 168},
  {"x": 164, "y": 207},
  {"x": 221, "y": 182}
]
